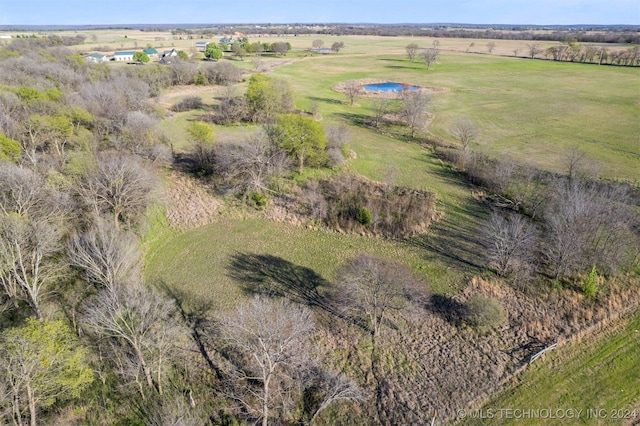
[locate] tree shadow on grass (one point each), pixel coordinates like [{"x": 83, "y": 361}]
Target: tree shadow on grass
[
  {"x": 455, "y": 240},
  {"x": 325, "y": 100},
  {"x": 195, "y": 315},
  {"x": 274, "y": 276},
  {"x": 355, "y": 119},
  {"x": 457, "y": 237},
  {"x": 449, "y": 309}
]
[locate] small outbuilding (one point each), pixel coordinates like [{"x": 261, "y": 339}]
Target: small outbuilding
[{"x": 151, "y": 53}]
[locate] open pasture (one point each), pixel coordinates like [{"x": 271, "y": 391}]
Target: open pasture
[{"x": 529, "y": 110}]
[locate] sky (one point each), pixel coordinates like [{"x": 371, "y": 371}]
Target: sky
[{"x": 101, "y": 12}]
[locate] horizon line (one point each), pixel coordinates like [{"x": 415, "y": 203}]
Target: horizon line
[{"x": 200, "y": 24}]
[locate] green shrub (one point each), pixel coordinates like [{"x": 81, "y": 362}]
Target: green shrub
[
  {"x": 29, "y": 94},
  {"x": 590, "y": 283},
  {"x": 485, "y": 313},
  {"x": 363, "y": 216},
  {"x": 9, "y": 149},
  {"x": 200, "y": 80},
  {"x": 258, "y": 200}
]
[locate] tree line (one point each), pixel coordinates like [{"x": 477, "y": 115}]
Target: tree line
[{"x": 564, "y": 34}]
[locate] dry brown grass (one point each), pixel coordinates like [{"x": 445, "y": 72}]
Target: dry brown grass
[
  {"x": 189, "y": 204},
  {"x": 427, "y": 359}
]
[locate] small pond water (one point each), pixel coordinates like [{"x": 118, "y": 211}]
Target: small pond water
[{"x": 388, "y": 87}]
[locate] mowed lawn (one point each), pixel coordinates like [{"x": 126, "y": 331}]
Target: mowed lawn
[
  {"x": 198, "y": 264},
  {"x": 600, "y": 374}
]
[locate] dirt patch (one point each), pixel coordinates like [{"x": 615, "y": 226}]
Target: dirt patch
[
  {"x": 189, "y": 203},
  {"x": 342, "y": 88}
]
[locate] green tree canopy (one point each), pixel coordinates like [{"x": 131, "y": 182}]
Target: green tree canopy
[
  {"x": 140, "y": 57},
  {"x": 183, "y": 55},
  {"x": 42, "y": 362},
  {"x": 213, "y": 52},
  {"x": 9, "y": 149},
  {"x": 302, "y": 138},
  {"x": 267, "y": 97},
  {"x": 202, "y": 138},
  {"x": 201, "y": 132}
]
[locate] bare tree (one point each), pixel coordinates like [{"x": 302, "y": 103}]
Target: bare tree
[
  {"x": 337, "y": 137},
  {"x": 232, "y": 108},
  {"x": 317, "y": 44},
  {"x": 270, "y": 339},
  {"x": 140, "y": 328},
  {"x": 352, "y": 89},
  {"x": 329, "y": 387},
  {"x": 534, "y": 49},
  {"x": 105, "y": 255},
  {"x": 465, "y": 131},
  {"x": 373, "y": 287},
  {"x": 490, "y": 46},
  {"x": 575, "y": 162},
  {"x": 429, "y": 56},
  {"x": 381, "y": 107},
  {"x": 111, "y": 100},
  {"x": 29, "y": 263},
  {"x": 238, "y": 51},
  {"x": 120, "y": 186},
  {"x": 224, "y": 72},
  {"x": 510, "y": 240},
  {"x": 337, "y": 46},
  {"x": 252, "y": 165},
  {"x": 139, "y": 131},
  {"x": 412, "y": 51},
  {"x": 281, "y": 48},
  {"x": 181, "y": 71},
  {"x": 25, "y": 193},
  {"x": 413, "y": 108},
  {"x": 588, "y": 224}
]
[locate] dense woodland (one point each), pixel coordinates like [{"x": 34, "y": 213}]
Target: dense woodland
[{"x": 85, "y": 340}]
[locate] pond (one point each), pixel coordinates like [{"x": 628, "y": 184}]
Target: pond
[{"x": 389, "y": 87}]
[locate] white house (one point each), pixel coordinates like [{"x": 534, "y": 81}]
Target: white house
[
  {"x": 123, "y": 56},
  {"x": 95, "y": 58}
]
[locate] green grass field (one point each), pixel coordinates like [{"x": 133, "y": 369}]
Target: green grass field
[
  {"x": 598, "y": 374},
  {"x": 532, "y": 111},
  {"x": 197, "y": 262}
]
